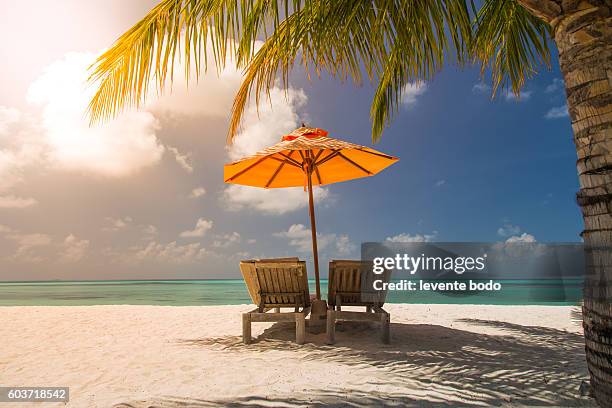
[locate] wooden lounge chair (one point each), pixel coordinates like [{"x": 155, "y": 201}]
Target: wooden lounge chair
[
  {"x": 346, "y": 289},
  {"x": 275, "y": 284}
]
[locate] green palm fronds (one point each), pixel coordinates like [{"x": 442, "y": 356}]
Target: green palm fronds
[
  {"x": 511, "y": 42},
  {"x": 390, "y": 42},
  {"x": 146, "y": 54}
]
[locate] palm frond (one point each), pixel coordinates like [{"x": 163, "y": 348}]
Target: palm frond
[
  {"x": 511, "y": 42},
  {"x": 146, "y": 54},
  {"x": 427, "y": 34},
  {"x": 312, "y": 31},
  {"x": 394, "y": 42},
  {"x": 391, "y": 42}
]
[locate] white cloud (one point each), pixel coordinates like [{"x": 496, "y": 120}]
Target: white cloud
[
  {"x": 200, "y": 229},
  {"x": 264, "y": 126},
  {"x": 411, "y": 91},
  {"x": 344, "y": 245},
  {"x": 555, "y": 85},
  {"x": 16, "y": 202},
  {"x": 250, "y": 241},
  {"x": 9, "y": 169},
  {"x": 211, "y": 94},
  {"x": 116, "y": 148},
  {"x": 509, "y": 96},
  {"x": 300, "y": 238},
  {"x": 116, "y": 224},
  {"x": 524, "y": 237},
  {"x": 8, "y": 117},
  {"x": 440, "y": 183},
  {"x": 184, "y": 160},
  {"x": 271, "y": 201},
  {"x": 26, "y": 243},
  {"x": 18, "y": 153},
  {"x": 167, "y": 253},
  {"x": 241, "y": 255},
  {"x": 150, "y": 231},
  {"x": 197, "y": 192},
  {"x": 227, "y": 240},
  {"x": 406, "y": 237},
  {"x": 58, "y": 135},
  {"x": 73, "y": 249},
  {"x": 508, "y": 229},
  {"x": 557, "y": 112},
  {"x": 481, "y": 88}
]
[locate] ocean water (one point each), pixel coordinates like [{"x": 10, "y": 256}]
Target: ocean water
[{"x": 233, "y": 292}]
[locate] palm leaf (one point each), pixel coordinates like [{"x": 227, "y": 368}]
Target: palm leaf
[
  {"x": 394, "y": 42},
  {"x": 428, "y": 34},
  {"x": 146, "y": 54},
  {"x": 511, "y": 42},
  {"x": 312, "y": 31},
  {"x": 391, "y": 42}
]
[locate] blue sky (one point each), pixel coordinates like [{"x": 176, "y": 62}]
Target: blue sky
[
  {"x": 468, "y": 164},
  {"x": 143, "y": 196}
]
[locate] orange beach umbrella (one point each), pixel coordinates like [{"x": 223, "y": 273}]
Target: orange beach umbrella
[{"x": 307, "y": 157}]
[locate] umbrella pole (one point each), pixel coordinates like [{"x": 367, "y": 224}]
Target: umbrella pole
[{"x": 313, "y": 229}]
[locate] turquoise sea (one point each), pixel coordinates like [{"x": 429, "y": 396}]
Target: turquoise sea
[{"x": 233, "y": 292}]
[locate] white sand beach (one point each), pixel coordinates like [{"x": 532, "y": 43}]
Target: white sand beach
[{"x": 155, "y": 356}]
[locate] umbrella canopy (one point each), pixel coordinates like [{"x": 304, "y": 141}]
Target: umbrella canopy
[{"x": 307, "y": 157}]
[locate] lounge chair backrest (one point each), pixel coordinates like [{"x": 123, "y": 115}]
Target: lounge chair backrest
[
  {"x": 279, "y": 282},
  {"x": 353, "y": 281}
]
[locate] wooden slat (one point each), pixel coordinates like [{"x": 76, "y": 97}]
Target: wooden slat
[
  {"x": 273, "y": 274},
  {"x": 293, "y": 259},
  {"x": 284, "y": 276},
  {"x": 354, "y": 276},
  {"x": 349, "y": 276},
  {"x": 293, "y": 280},
  {"x": 274, "y": 317},
  {"x": 345, "y": 283},
  {"x": 247, "y": 268},
  {"x": 269, "y": 287},
  {"x": 283, "y": 283},
  {"x": 359, "y": 316}
]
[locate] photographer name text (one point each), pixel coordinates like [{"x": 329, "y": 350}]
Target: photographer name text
[{"x": 421, "y": 285}]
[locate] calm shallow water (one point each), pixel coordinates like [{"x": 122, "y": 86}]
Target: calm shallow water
[{"x": 233, "y": 292}]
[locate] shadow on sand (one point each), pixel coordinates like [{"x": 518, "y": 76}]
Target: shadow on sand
[{"x": 431, "y": 365}]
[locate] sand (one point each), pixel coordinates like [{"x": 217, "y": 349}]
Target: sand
[{"x": 155, "y": 356}]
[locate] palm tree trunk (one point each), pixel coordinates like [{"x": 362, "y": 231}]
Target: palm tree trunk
[{"x": 583, "y": 34}]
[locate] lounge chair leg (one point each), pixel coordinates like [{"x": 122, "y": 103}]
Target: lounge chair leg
[
  {"x": 386, "y": 322},
  {"x": 246, "y": 328},
  {"x": 331, "y": 327},
  {"x": 277, "y": 310},
  {"x": 300, "y": 328}
]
